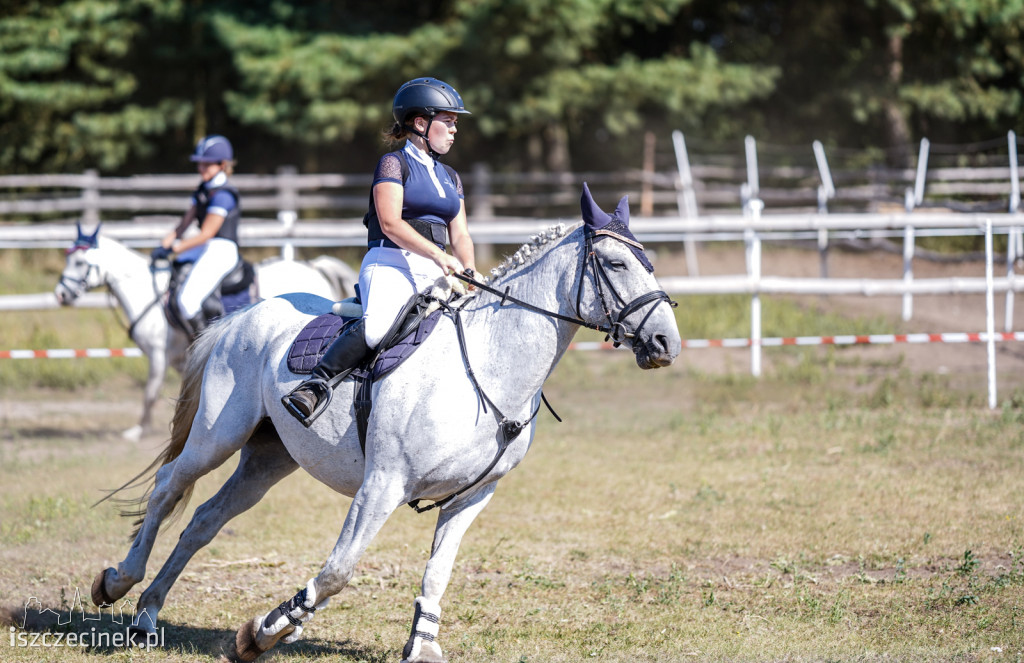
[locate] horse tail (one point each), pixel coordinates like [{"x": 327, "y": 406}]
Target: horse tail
[
  {"x": 185, "y": 410},
  {"x": 343, "y": 279}
]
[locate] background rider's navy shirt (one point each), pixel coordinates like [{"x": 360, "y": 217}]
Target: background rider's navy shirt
[{"x": 223, "y": 202}]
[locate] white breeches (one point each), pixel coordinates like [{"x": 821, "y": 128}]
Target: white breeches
[
  {"x": 213, "y": 261},
  {"x": 387, "y": 279}
]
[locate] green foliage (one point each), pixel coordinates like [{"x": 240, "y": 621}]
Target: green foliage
[
  {"x": 121, "y": 84},
  {"x": 69, "y": 90},
  {"x": 101, "y": 83}
]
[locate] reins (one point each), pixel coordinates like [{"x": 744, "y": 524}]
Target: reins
[
  {"x": 615, "y": 329},
  {"x": 510, "y": 428},
  {"x": 159, "y": 296}
]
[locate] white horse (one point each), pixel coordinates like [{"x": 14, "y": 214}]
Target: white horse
[
  {"x": 445, "y": 425},
  {"x": 94, "y": 261}
]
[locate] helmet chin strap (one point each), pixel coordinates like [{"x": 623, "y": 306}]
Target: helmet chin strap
[{"x": 430, "y": 148}]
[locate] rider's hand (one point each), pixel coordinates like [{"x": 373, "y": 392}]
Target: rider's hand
[
  {"x": 448, "y": 263},
  {"x": 161, "y": 253}
]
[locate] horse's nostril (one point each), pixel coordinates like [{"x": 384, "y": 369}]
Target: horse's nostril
[{"x": 661, "y": 342}]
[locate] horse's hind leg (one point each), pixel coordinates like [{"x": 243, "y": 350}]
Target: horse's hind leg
[
  {"x": 376, "y": 499},
  {"x": 172, "y": 480},
  {"x": 263, "y": 463},
  {"x": 154, "y": 380},
  {"x": 452, "y": 524}
]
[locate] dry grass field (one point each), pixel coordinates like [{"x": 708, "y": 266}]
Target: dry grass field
[{"x": 857, "y": 504}]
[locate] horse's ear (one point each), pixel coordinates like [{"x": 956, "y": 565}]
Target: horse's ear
[
  {"x": 622, "y": 211},
  {"x": 95, "y": 234},
  {"x": 78, "y": 229},
  {"x": 593, "y": 216}
]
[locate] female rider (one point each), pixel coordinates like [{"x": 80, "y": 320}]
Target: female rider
[
  {"x": 214, "y": 250},
  {"x": 416, "y": 205}
]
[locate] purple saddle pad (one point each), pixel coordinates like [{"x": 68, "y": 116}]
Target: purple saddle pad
[{"x": 314, "y": 339}]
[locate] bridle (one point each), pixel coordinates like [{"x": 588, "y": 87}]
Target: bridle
[
  {"x": 615, "y": 327},
  {"x": 78, "y": 286}
]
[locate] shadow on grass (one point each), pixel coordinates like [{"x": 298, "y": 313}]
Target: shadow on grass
[
  {"x": 69, "y": 434},
  {"x": 106, "y": 633}
]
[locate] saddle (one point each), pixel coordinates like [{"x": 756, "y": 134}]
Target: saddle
[
  {"x": 412, "y": 327},
  {"x": 232, "y": 294}
]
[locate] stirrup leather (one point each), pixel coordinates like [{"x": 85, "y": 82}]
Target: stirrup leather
[{"x": 323, "y": 393}]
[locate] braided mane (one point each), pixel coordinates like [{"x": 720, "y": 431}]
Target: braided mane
[{"x": 528, "y": 252}]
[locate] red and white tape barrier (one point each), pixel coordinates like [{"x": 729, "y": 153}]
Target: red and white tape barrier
[
  {"x": 70, "y": 354},
  {"x": 851, "y": 339}
]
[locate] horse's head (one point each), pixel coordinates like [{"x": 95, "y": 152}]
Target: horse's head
[
  {"x": 81, "y": 270},
  {"x": 624, "y": 296}
]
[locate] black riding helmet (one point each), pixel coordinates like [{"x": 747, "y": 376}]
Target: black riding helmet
[{"x": 428, "y": 97}]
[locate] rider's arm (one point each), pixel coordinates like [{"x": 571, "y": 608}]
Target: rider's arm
[
  {"x": 388, "y": 197},
  {"x": 462, "y": 243},
  {"x": 211, "y": 225},
  {"x": 186, "y": 220}
]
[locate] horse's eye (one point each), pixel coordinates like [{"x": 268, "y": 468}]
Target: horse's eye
[{"x": 617, "y": 264}]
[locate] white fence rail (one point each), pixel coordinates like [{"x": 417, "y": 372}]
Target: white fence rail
[{"x": 687, "y": 202}]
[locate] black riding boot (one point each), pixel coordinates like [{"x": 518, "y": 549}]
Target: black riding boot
[
  {"x": 197, "y": 324},
  {"x": 308, "y": 400}
]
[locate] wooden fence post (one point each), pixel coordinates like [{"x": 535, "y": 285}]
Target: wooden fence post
[
  {"x": 647, "y": 186},
  {"x": 483, "y": 206},
  {"x": 90, "y": 198},
  {"x": 287, "y": 205}
]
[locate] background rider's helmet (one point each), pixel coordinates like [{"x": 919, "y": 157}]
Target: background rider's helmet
[
  {"x": 213, "y": 149},
  {"x": 425, "y": 96}
]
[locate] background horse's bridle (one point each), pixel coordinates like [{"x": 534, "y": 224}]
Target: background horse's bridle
[{"x": 79, "y": 286}]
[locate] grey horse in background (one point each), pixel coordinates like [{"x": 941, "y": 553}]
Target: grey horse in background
[{"x": 94, "y": 261}]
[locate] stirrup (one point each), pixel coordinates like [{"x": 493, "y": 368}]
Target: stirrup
[{"x": 323, "y": 393}]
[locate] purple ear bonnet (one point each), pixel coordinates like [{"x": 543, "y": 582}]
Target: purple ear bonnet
[
  {"x": 84, "y": 241},
  {"x": 616, "y": 225}
]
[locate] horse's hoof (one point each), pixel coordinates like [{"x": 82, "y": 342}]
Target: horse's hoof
[
  {"x": 246, "y": 649},
  {"x": 427, "y": 652},
  {"x": 99, "y": 589}
]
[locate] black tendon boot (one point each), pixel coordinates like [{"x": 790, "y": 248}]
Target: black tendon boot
[{"x": 308, "y": 400}]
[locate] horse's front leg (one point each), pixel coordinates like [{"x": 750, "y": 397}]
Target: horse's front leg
[
  {"x": 375, "y": 501},
  {"x": 452, "y": 524}
]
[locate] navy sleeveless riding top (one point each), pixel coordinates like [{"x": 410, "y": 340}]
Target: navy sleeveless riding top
[
  {"x": 218, "y": 196},
  {"x": 432, "y": 191}
]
